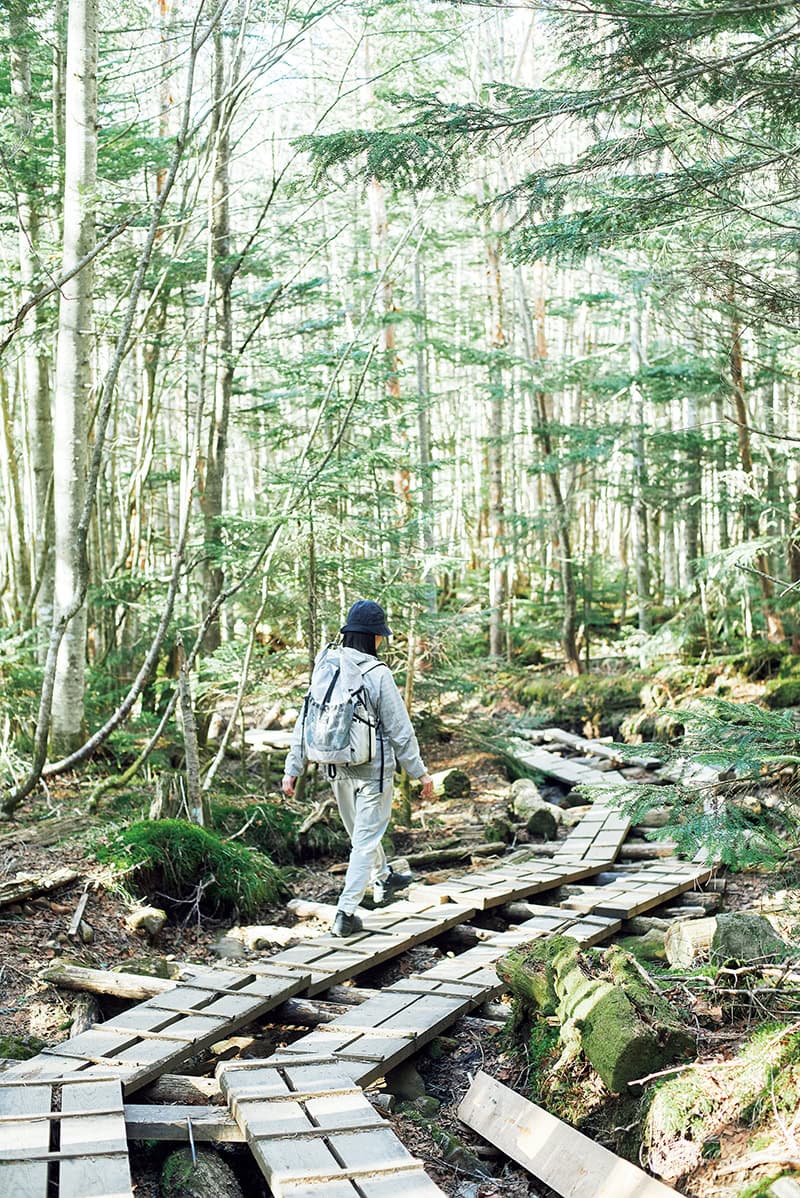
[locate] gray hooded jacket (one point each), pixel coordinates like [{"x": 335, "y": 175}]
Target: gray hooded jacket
[{"x": 395, "y": 732}]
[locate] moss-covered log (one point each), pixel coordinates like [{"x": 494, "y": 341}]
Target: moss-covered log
[{"x": 625, "y": 1028}]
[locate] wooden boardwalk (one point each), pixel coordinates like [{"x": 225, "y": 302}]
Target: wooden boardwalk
[
  {"x": 302, "y": 1110},
  {"x": 66, "y": 1138}
]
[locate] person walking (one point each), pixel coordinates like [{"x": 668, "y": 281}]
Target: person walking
[{"x": 363, "y": 791}]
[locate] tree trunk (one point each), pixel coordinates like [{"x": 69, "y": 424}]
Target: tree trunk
[
  {"x": 35, "y": 379},
  {"x": 74, "y": 373},
  {"x": 424, "y": 435},
  {"x": 641, "y": 547},
  {"x": 220, "y": 233},
  {"x": 498, "y": 574},
  {"x": 536, "y": 348},
  {"x": 749, "y": 507}
]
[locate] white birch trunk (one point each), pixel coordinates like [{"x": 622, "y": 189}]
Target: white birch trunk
[{"x": 74, "y": 377}]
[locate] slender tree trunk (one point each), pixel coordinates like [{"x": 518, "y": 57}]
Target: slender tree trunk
[
  {"x": 74, "y": 375},
  {"x": 35, "y": 384},
  {"x": 536, "y": 348},
  {"x": 220, "y": 232},
  {"x": 498, "y": 574},
  {"x": 774, "y": 623},
  {"x": 694, "y": 490},
  {"x": 424, "y": 434},
  {"x": 19, "y": 563},
  {"x": 641, "y": 543}
]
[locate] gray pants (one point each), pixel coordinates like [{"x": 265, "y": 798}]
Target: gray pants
[{"x": 365, "y": 810}]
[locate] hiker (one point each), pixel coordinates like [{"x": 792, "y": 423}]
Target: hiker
[{"x": 354, "y": 722}]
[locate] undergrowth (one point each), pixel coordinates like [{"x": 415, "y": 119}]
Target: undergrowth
[{"x": 189, "y": 868}]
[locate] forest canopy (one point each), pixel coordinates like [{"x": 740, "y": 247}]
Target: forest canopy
[{"x": 487, "y": 312}]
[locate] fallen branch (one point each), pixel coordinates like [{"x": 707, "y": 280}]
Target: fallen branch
[{"x": 25, "y": 886}]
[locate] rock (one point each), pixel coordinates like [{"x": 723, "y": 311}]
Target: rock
[
  {"x": 149, "y": 967},
  {"x": 570, "y": 816},
  {"x": 146, "y": 920},
  {"x": 427, "y": 1105},
  {"x": 384, "y": 1102},
  {"x": 745, "y": 937},
  {"x": 210, "y": 1177},
  {"x": 86, "y": 932},
  {"x": 405, "y": 1082}
]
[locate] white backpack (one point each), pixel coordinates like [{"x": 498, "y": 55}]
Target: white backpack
[{"x": 338, "y": 728}]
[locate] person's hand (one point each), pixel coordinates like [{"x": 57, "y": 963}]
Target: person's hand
[
  {"x": 427, "y": 787},
  {"x": 287, "y": 785}
]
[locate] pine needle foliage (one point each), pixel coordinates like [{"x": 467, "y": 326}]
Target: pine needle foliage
[{"x": 749, "y": 747}]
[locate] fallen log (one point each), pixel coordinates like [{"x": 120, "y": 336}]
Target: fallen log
[
  {"x": 607, "y": 1007},
  {"x": 48, "y": 831},
  {"x": 540, "y": 817},
  {"x": 103, "y": 981},
  {"x": 462, "y": 853},
  {"x": 648, "y": 851},
  {"x": 183, "y": 1088},
  {"x": 555, "y": 1153},
  {"x": 25, "y": 886}
]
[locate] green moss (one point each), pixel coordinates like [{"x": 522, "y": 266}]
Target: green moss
[
  {"x": 172, "y": 858},
  {"x": 761, "y": 1188},
  {"x": 783, "y": 694},
  {"x": 20, "y": 1048},
  {"x": 596, "y": 699},
  {"x": 269, "y": 826}
]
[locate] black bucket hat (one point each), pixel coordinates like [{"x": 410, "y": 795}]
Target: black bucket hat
[{"x": 367, "y": 616}]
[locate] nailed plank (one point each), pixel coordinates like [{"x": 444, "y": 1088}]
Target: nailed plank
[
  {"x": 90, "y": 1172},
  {"x": 313, "y": 1133},
  {"x": 555, "y": 1153},
  {"x": 24, "y": 1179},
  {"x": 158, "y": 1034},
  {"x": 144, "y": 1121}
]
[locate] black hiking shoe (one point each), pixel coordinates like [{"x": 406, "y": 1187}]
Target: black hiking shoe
[
  {"x": 382, "y": 891},
  {"x": 346, "y": 925}
]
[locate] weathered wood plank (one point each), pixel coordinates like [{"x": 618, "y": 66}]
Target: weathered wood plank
[
  {"x": 25, "y": 1179},
  {"x": 94, "y": 1173},
  {"x": 209, "y": 1123},
  {"x": 555, "y": 1153}
]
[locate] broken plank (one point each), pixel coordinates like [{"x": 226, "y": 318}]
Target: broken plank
[{"x": 555, "y": 1153}]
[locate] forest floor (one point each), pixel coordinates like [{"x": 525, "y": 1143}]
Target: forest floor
[{"x": 464, "y": 1166}]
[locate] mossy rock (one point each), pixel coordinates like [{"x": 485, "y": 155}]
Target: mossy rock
[
  {"x": 649, "y": 947},
  {"x": 783, "y": 694},
  {"x": 499, "y": 829},
  {"x": 20, "y": 1048},
  {"x": 744, "y": 937}
]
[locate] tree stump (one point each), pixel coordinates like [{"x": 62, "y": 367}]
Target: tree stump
[{"x": 210, "y": 1177}]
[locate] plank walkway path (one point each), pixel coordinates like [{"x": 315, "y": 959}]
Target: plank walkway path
[
  {"x": 311, "y": 1091},
  {"x": 70, "y": 1133}
]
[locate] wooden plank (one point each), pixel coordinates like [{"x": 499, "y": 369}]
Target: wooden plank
[
  {"x": 555, "y": 1153},
  {"x": 209, "y": 1123},
  {"x": 93, "y": 1173},
  {"x": 25, "y": 1179}
]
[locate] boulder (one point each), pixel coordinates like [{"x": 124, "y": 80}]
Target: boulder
[
  {"x": 405, "y": 1082},
  {"x": 747, "y": 938},
  {"x": 146, "y": 920}
]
